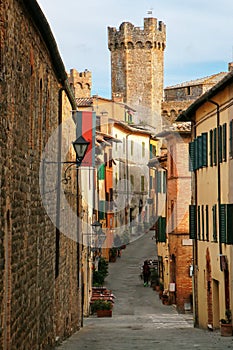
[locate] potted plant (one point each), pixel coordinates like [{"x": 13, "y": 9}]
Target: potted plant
[
  {"x": 226, "y": 324},
  {"x": 102, "y": 308}
]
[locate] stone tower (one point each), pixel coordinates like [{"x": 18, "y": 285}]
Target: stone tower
[
  {"x": 137, "y": 66},
  {"x": 81, "y": 83}
]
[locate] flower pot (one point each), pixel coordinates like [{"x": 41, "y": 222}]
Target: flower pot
[
  {"x": 104, "y": 313},
  {"x": 226, "y": 329}
]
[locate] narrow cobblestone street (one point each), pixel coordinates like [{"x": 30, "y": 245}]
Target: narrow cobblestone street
[{"x": 140, "y": 320}]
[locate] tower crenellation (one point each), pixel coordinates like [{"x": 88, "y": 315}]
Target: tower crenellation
[
  {"x": 137, "y": 65},
  {"x": 81, "y": 83}
]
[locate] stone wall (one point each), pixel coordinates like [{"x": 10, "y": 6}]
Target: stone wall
[
  {"x": 33, "y": 304},
  {"x": 137, "y": 66}
]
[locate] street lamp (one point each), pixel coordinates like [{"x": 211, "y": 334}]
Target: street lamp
[{"x": 101, "y": 237}]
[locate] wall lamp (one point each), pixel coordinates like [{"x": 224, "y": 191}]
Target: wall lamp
[
  {"x": 80, "y": 146},
  {"x": 101, "y": 237}
]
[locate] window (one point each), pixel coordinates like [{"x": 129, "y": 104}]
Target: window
[
  {"x": 211, "y": 147},
  {"x": 203, "y": 222},
  {"x": 224, "y": 142},
  {"x": 231, "y": 139},
  {"x": 226, "y": 223},
  {"x": 192, "y": 221},
  {"x": 220, "y": 144},
  {"x": 198, "y": 223},
  {"x": 132, "y": 181},
  {"x": 161, "y": 229},
  {"x": 171, "y": 161},
  {"x": 198, "y": 152},
  {"x": 164, "y": 182},
  {"x": 142, "y": 183},
  {"x": 159, "y": 181},
  {"x": 215, "y": 147},
  {"x": 207, "y": 222},
  {"x": 214, "y": 217},
  {"x": 131, "y": 147},
  {"x": 143, "y": 149}
]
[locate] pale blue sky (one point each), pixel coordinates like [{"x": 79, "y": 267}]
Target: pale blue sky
[{"x": 199, "y": 35}]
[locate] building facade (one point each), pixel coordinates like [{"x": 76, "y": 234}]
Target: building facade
[
  {"x": 212, "y": 197},
  {"x": 39, "y": 290}
]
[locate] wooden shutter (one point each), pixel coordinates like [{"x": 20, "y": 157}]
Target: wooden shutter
[
  {"x": 199, "y": 142},
  {"x": 164, "y": 182},
  {"x": 207, "y": 223},
  {"x": 215, "y": 147},
  {"x": 231, "y": 139},
  {"x": 159, "y": 181},
  {"x": 192, "y": 222},
  {"x": 191, "y": 156},
  {"x": 211, "y": 147},
  {"x": 205, "y": 149},
  {"x": 220, "y": 144},
  {"x": 214, "y": 217},
  {"x": 224, "y": 142},
  {"x": 161, "y": 229},
  {"x": 230, "y": 224},
  {"x": 223, "y": 226}
]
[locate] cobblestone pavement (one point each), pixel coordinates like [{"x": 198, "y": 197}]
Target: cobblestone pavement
[{"x": 140, "y": 320}]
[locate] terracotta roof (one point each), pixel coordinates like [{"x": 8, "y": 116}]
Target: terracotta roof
[
  {"x": 187, "y": 115},
  {"x": 181, "y": 127},
  {"x": 212, "y": 79},
  {"x": 84, "y": 102}
]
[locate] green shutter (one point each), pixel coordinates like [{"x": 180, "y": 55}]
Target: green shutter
[
  {"x": 101, "y": 172},
  {"x": 151, "y": 151},
  {"x": 196, "y": 159},
  {"x": 162, "y": 229},
  {"x": 207, "y": 223},
  {"x": 223, "y": 216},
  {"x": 205, "y": 149},
  {"x": 224, "y": 142},
  {"x": 102, "y": 210},
  {"x": 211, "y": 147},
  {"x": 198, "y": 223},
  {"x": 192, "y": 222},
  {"x": 191, "y": 156},
  {"x": 220, "y": 144},
  {"x": 214, "y": 217},
  {"x": 159, "y": 181},
  {"x": 230, "y": 224},
  {"x": 231, "y": 139},
  {"x": 215, "y": 146},
  {"x": 203, "y": 222},
  {"x": 164, "y": 182},
  {"x": 199, "y": 142}
]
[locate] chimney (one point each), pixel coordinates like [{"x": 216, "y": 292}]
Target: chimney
[{"x": 230, "y": 66}]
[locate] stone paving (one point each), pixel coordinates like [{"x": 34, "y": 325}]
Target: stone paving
[{"x": 140, "y": 320}]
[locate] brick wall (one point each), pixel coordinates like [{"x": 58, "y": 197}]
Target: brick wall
[{"x": 178, "y": 200}]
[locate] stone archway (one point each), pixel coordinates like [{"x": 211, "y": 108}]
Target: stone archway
[{"x": 209, "y": 289}]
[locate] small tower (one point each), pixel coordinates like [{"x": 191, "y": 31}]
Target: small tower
[
  {"x": 137, "y": 65},
  {"x": 81, "y": 83}
]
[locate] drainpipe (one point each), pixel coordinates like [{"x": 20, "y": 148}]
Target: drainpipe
[
  {"x": 127, "y": 178},
  {"x": 195, "y": 256},
  {"x": 219, "y": 174}
]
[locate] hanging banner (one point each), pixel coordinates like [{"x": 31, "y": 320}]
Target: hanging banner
[{"x": 86, "y": 126}]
